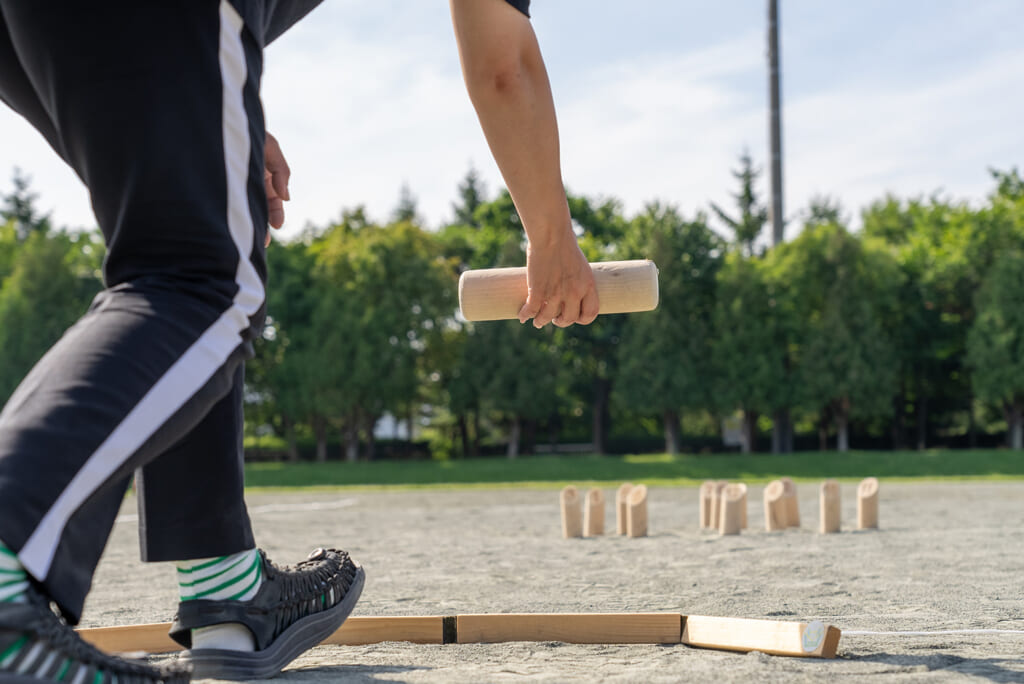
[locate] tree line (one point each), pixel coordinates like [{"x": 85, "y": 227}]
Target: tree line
[{"x": 908, "y": 332}]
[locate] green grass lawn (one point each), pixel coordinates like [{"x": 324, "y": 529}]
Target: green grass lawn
[{"x": 555, "y": 471}]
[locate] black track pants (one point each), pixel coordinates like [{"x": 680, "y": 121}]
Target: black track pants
[{"x": 155, "y": 105}]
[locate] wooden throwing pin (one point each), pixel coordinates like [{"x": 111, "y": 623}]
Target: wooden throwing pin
[
  {"x": 622, "y": 507},
  {"x": 707, "y": 493},
  {"x": 867, "y": 504},
  {"x": 830, "y": 507},
  {"x": 792, "y": 504},
  {"x": 572, "y": 517},
  {"x": 494, "y": 294},
  {"x": 734, "y": 501},
  {"x": 775, "y": 517},
  {"x": 593, "y": 514},
  {"x": 716, "y": 503},
  {"x": 636, "y": 513}
]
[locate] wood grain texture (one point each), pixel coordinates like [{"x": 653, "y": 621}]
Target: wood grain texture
[
  {"x": 571, "y": 628},
  {"x": 808, "y": 640},
  {"x": 867, "y": 504},
  {"x": 731, "y": 634},
  {"x": 152, "y": 638},
  {"x": 572, "y": 512},
  {"x": 830, "y": 508},
  {"x": 494, "y": 294}
]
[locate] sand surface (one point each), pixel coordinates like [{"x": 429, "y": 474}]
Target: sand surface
[{"x": 947, "y": 557}]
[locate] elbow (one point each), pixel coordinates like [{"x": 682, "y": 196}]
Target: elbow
[{"x": 500, "y": 79}]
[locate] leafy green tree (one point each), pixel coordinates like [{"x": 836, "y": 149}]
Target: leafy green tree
[
  {"x": 754, "y": 325},
  {"x": 846, "y": 360},
  {"x": 46, "y": 291},
  {"x": 995, "y": 342},
  {"x": 383, "y": 296},
  {"x": 663, "y": 359},
  {"x": 472, "y": 194},
  {"x": 19, "y": 206},
  {"x": 279, "y": 379},
  {"x": 406, "y": 208},
  {"x": 753, "y": 214}
]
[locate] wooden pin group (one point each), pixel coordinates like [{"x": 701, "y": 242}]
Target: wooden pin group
[
  {"x": 585, "y": 517},
  {"x": 723, "y": 506}
]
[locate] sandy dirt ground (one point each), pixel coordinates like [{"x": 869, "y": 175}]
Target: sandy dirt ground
[{"x": 947, "y": 557}]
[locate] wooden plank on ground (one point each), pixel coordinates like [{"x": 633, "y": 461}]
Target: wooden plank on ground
[
  {"x": 572, "y": 628},
  {"x": 372, "y": 630},
  {"x": 152, "y": 638},
  {"x": 807, "y": 639}
]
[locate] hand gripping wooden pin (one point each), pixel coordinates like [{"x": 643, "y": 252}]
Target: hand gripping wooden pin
[{"x": 495, "y": 294}]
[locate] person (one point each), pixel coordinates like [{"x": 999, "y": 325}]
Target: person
[{"x": 156, "y": 107}]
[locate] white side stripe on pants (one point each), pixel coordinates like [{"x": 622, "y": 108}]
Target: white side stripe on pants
[{"x": 198, "y": 364}]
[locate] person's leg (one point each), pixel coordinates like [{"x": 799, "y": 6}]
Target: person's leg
[
  {"x": 156, "y": 107},
  {"x": 191, "y": 501}
]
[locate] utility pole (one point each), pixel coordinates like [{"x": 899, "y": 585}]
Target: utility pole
[
  {"x": 774, "y": 121},
  {"x": 782, "y": 424}
]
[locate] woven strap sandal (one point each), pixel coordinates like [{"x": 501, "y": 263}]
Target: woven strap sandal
[
  {"x": 37, "y": 645},
  {"x": 294, "y": 610}
]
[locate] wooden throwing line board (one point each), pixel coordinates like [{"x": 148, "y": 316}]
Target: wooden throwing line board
[{"x": 802, "y": 639}]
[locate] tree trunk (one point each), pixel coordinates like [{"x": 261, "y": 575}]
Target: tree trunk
[
  {"x": 749, "y": 432},
  {"x": 476, "y": 433},
  {"x": 553, "y": 427},
  {"x": 602, "y": 389},
  {"x": 1015, "y": 423},
  {"x": 782, "y": 432},
  {"x": 673, "y": 433},
  {"x": 823, "y": 432},
  {"x": 842, "y": 431},
  {"x": 289, "y": 434},
  {"x": 512, "y": 451},
  {"x": 464, "y": 434},
  {"x": 899, "y": 404},
  {"x": 352, "y": 439},
  {"x": 529, "y": 436},
  {"x": 320, "y": 432},
  {"x": 972, "y": 428},
  {"x": 922, "y": 423},
  {"x": 371, "y": 438}
]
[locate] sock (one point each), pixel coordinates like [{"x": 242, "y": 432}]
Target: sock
[
  {"x": 227, "y": 578},
  {"x": 13, "y": 579}
]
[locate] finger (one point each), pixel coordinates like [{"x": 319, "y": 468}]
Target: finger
[
  {"x": 275, "y": 206},
  {"x": 531, "y": 307},
  {"x": 547, "y": 313},
  {"x": 570, "y": 314},
  {"x": 590, "y": 306},
  {"x": 277, "y": 165}
]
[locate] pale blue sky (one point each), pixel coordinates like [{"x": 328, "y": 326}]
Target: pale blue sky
[{"x": 656, "y": 99}]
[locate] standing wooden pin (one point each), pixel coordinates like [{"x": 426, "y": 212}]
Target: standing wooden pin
[
  {"x": 707, "y": 493},
  {"x": 572, "y": 517},
  {"x": 743, "y": 507},
  {"x": 636, "y": 514},
  {"x": 867, "y": 504},
  {"x": 621, "y": 507},
  {"x": 593, "y": 514},
  {"x": 716, "y": 503},
  {"x": 792, "y": 504},
  {"x": 734, "y": 500},
  {"x": 774, "y": 507},
  {"x": 830, "y": 507}
]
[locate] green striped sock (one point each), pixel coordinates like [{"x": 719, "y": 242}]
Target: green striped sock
[
  {"x": 236, "y": 577},
  {"x": 13, "y": 579}
]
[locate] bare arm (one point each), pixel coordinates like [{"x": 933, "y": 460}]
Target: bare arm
[{"x": 509, "y": 88}]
